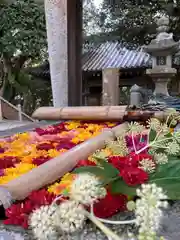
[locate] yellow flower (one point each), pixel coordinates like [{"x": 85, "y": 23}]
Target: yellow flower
[
  {"x": 8, "y": 178},
  {"x": 22, "y": 147},
  {"x": 54, "y": 153},
  {"x": 110, "y": 124},
  {"x": 12, "y": 173},
  {"x": 104, "y": 153},
  {"x": 65, "y": 183},
  {"x": 171, "y": 130},
  {"x": 20, "y": 168},
  {"x": 72, "y": 125},
  {"x": 24, "y": 136},
  {"x": 27, "y": 158},
  {"x": 82, "y": 136},
  {"x": 75, "y": 140}
]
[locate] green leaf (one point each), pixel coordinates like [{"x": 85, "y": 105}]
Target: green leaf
[
  {"x": 173, "y": 158},
  {"x": 105, "y": 170},
  {"x": 91, "y": 169},
  {"x": 167, "y": 176},
  {"x": 65, "y": 193},
  {"x": 111, "y": 171},
  {"x": 152, "y": 135},
  {"x": 168, "y": 135},
  {"x": 119, "y": 186},
  {"x": 108, "y": 181}
]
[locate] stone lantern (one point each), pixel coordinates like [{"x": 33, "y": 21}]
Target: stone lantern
[{"x": 162, "y": 48}]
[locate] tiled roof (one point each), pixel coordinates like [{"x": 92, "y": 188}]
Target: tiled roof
[
  {"x": 105, "y": 55},
  {"x": 113, "y": 54}
]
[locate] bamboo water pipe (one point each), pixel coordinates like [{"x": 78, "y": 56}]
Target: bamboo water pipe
[
  {"x": 51, "y": 171},
  {"x": 80, "y": 113},
  {"x": 105, "y": 113}
]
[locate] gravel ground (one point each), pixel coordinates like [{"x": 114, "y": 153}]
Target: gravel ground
[{"x": 170, "y": 228}]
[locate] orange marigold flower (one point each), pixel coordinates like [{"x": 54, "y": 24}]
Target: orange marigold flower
[{"x": 65, "y": 183}]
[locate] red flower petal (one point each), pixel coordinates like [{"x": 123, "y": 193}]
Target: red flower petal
[
  {"x": 18, "y": 213},
  {"x": 110, "y": 205},
  {"x": 84, "y": 163},
  {"x": 134, "y": 176},
  {"x": 45, "y": 146}
]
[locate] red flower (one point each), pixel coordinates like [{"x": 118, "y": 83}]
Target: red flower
[
  {"x": 45, "y": 146},
  {"x": 51, "y": 129},
  {"x": 8, "y": 162},
  {"x": 122, "y": 162},
  {"x": 2, "y": 150},
  {"x": 133, "y": 176},
  {"x": 110, "y": 205},
  {"x": 65, "y": 145},
  {"x": 132, "y": 160},
  {"x": 139, "y": 157},
  {"x": 18, "y": 213},
  {"x": 84, "y": 163},
  {"x": 40, "y": 160},
  {"x": 41, "y": 197}
]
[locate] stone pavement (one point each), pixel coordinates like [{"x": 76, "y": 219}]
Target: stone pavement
[{"x": 8, "y": 128}]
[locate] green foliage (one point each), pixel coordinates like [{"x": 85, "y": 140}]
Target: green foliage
[
  {"x": 104, "y": 169},
  {"x": 23, "y": 42},
  {"x": 92, "y": 169},
  {"x": 167, "y": 177},
  {"x": 134, "y": 21},
  {"x": 120, "y": 187},
  {"x": 22, "y": 29},
  {"x": 108, "y": 168},
  {"x": 90, "y": 17},
  {"x": 152, "y": 135}
]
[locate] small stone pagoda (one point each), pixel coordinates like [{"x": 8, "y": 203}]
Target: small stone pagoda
[{"x": 162, "y": 49}]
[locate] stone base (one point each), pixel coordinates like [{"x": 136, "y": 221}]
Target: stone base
[{"x": 169, "y": 229}]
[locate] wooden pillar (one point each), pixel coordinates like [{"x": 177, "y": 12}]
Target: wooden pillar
[
  {"x": 110, "y": 82},
  {"x": 74, "y": 16},
  {"x": 64, "y": 33}
]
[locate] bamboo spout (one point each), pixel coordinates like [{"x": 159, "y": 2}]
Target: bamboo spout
[{"x": 105, "y": 113}]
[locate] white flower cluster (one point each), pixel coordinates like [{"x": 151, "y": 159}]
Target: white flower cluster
[
  {"x": 160, "y": 158},
  {"x": 69, "y": 216},
  {"x": 173, "y": 148},
  {"x": 118, "y": 147},
  {"x": 136, "y": 128},
  {"x": 41, "y": 223},
  {"x": 154, "y": 124},
  {"x": 147, "y": 165},
  {"x": 86, "y": 189},
  {"x": 48, "y": 221},
  {"x": 148, "y": 210}
]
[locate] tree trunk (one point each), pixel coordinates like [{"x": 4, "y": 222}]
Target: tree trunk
[{"x": 6, "y": 68}]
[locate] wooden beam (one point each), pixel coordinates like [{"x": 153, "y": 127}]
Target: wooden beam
[{"x": 74, "y": 24}]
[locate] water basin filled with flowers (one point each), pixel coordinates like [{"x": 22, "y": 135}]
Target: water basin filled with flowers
[{"x": 138, "y": 171}]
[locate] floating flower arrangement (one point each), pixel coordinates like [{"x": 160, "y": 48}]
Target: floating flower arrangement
[{"x": 143, "y": 162}]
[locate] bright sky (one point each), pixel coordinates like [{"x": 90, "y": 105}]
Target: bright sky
[{"x": 97, "y": 2}]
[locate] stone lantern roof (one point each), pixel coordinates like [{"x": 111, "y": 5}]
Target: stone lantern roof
[{"x": 164, "y": 43}]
